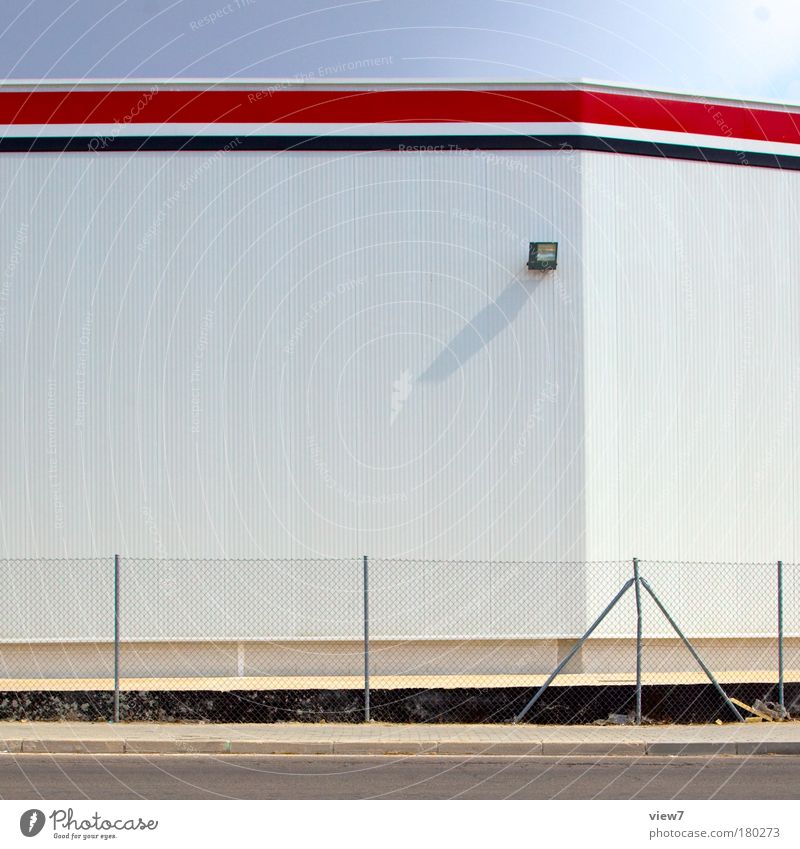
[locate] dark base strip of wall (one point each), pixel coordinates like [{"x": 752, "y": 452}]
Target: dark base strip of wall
[{"x": 559, "y": 705}]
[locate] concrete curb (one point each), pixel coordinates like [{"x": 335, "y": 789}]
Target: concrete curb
[
  {"x": 621, "y": 749},
  {"x": 368, "y": 747},
  {"x": 691, "y": 749},
  {"x": 266, "y": 747},
  {"x": 462, "y": 748},
  {"x": 176, "y": 747},
  {"x": 389, "y": 748},
  {"x": 776, "y": 748},
  {"x": 72, "y": 747}
]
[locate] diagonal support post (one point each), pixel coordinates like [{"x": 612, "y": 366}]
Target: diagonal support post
[
  {"x": 692, "y": 650},
  {"x": 573, "y": 651}
]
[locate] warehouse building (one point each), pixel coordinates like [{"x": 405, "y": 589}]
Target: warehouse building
[{"x": 424, "y": 321}]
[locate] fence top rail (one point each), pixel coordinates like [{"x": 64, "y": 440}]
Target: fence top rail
[
  {"x": 393, "y": 560},
  {"x": 189, "y": 560},
  {"x": 124, "y": 558},
  {"x": 93, "y": 558},
  {"x": 743, "y": 563},
  {"x": 468, "y": 562}
]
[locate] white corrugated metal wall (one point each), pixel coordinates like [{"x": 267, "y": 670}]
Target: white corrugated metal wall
[
  {"x": 692, "y": 359},
  {"x": 292, "y": 354},
  {"x": 692, "y": 371},
  {"x": 295, "y": 354}
]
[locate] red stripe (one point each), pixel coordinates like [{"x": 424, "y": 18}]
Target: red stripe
[{"x": 420, "y": 106}]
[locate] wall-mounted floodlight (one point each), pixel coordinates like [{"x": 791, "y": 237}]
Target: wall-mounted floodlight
[{"x": 542, "y": 256}]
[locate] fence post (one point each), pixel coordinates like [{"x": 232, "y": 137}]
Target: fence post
[
  {"x": 637, "y": 590},
  {"x": 366, "y": 637},
  {"x": 116, "y": 638},
  {"x": 780, "y": 633}
]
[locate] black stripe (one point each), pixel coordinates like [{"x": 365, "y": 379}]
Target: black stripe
[{"x": 101, "y": 144}]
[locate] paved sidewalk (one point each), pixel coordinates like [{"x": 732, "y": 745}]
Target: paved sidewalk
[{"x": 385, "y": 739}]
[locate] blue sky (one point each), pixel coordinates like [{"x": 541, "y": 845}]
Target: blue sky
[{"x": 740, "y": 48}]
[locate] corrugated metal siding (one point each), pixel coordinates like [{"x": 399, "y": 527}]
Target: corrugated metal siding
[
  {"x": 322, "y": 355},
  {"x": 203, "y": 354},
  {"x": 691, "y": 359}
]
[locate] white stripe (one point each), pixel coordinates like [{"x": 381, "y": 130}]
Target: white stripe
[{"x": 103, "y": 132}]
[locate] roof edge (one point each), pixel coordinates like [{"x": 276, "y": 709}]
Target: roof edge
[{"x": 378, "y": 83}]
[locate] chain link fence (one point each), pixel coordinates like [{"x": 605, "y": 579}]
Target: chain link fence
[
  {"x": 397, "y": 640},
  {"x": 56, "y": 636}
]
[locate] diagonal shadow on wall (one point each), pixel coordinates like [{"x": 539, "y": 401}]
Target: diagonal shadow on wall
[{"x": 476, "y": 335}]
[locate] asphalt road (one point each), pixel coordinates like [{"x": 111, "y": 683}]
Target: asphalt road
[{"x": 421, "y": 777}]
